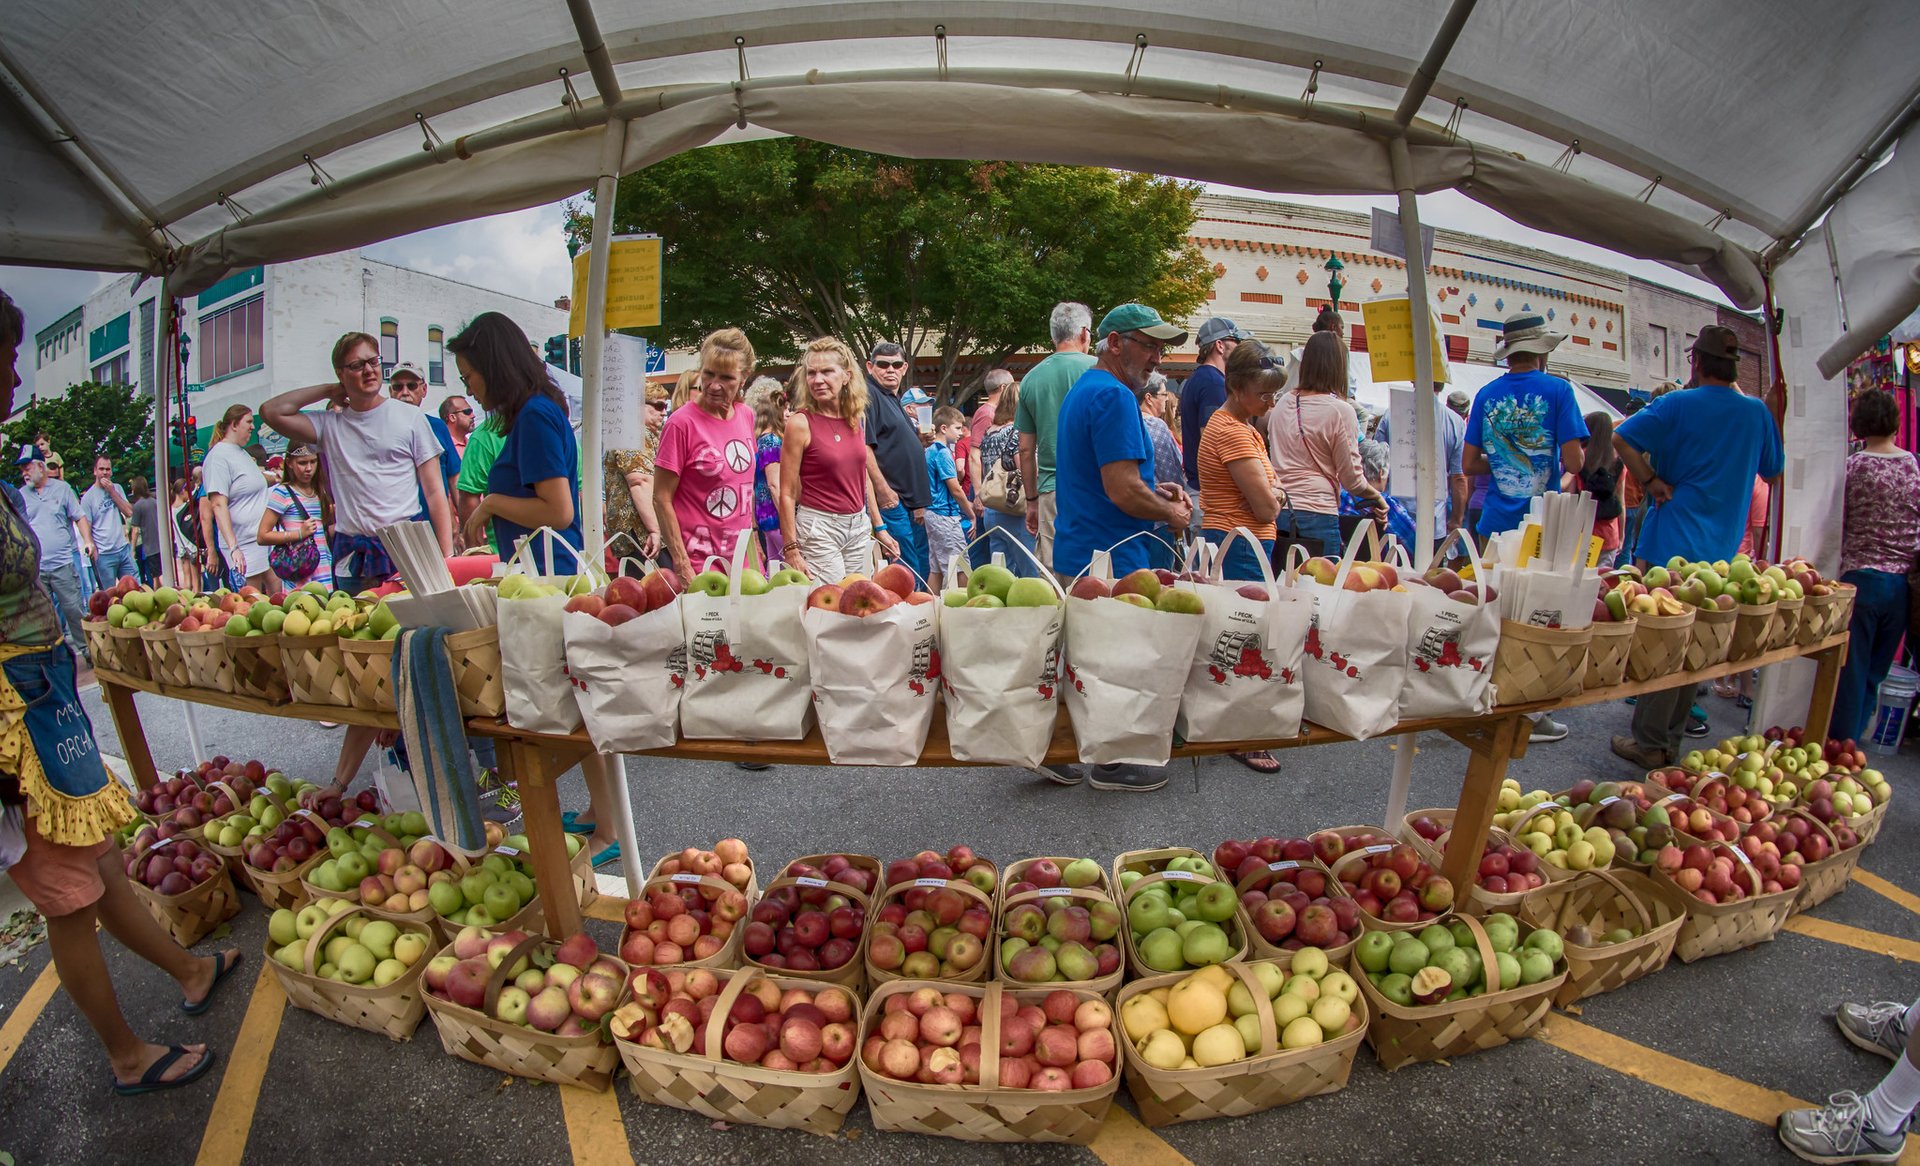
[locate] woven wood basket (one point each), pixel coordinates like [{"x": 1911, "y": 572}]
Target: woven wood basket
[
  {"x": 1659, "y": 645},
  {"x": 728, "y": 956},
  {"x": 1718, "y": 928},
  {"x": 208, "y": 664},
  {"x": 369, "y": 665},
  {"x": 393, "y": 1011},
  {"x": 1867, "y": 825},
  {"x": 1820, "y": 881},
  {"x": 1477, "y": 900},
  {"x": 1533, "y": 664},
  {"x": 1267, "y": 1079},
  {"x": 1754, "y": 626},
  {"x": 288, "y": 889},
  {"x": 1603, "y": 901},
  {"x": 725, "y": 1090},
  {"x": 102, "y": 649},
  {"x": 1403, "y": 1036},
  {"x": 352, "y": 893},
  {"x": 877, "y": 975},
  {"x": 233, "y": 856},
  {"x": 1712, "y": 639},
  {"x": 1257, "y": 946},
  {"x": 1236, "y": 925},
  {"x": 190, "y": 916},
  {"x": 985, "y": 1112},
  {"x": 1017, "y": 872},
  {"x": 316, "y": 673},
  {"x": 1103, "y": 985},
  {"x": 852, "y": 974},
  {"x": 166, "y": 660},
  {"x": 519, "y": 1050},
  {"x": 129, "y": 653},
  {"x": 1820, "y": 617},
  {"x": 256, "y": 667},
  {"x": 1372, "y": 922},
  {"x": 1607, "y": 654},
  {"x": 477, "y": 675},
  {"x": 1840, "y": 615},
  {"x": 1786, "y": 623},
  {"x": 752, "y": 889}
]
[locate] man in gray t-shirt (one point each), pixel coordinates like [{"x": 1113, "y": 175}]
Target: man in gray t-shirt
[
  {"x": 107, "y": 510},
  {"x": 54, "y": 512}
]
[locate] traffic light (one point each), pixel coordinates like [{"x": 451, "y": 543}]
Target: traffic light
[
  {"x": 557, "y": 351},
  {"x": 573, "y": 357}
]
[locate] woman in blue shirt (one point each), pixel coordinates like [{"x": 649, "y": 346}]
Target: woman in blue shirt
[{"x": 534, "y": 481}]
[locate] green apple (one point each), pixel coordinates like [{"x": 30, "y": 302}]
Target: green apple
[
  {"x": 1148, "y": 912},
  {"x": 1081, "y": 872},
  {"x": 338, "y": 946},
  {"x": 283, "y": 927},
  {"x": 387, "y": 971},
  {"x": 954, "y": 597},
  {"x": 1437, "y": 939},
  {"x": 1408, "y": 956},
  {"x": 1460, "y": 969},
  {"x": 1373, "y": 951},
  {"x": 1205, "y": 944},
  {"x": 985, "y": 601},
  {"x": 309, "y": 920},
  {"x": 1546, "y": 941},
  {"x": 501, "y": 902},
  {"x": 991, "y": 579},
  {"x": 787, "y": 577},
  {"x": 752, "y": 582},
  {"x": 1217, "y": 902},
  {"x": 1509, "y": 969},
  {"x": 445, "y": 898},
  {"x": 378, "y": 937},
  {"x": 1032, "y": 593},
  {"x": 408, "y": 947},
  {"x": 1535, "y": 966},
  {"x": 1398, "y": 987},
  {"x": 356, "y": 964},
  {"x": 1162, "y": 950},
  {"x": 709, "y": 583}
]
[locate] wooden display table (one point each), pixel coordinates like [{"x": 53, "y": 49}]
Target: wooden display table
[{"x": 536, "y": 761}]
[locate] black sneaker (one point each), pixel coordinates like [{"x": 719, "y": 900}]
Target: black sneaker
[
  {"x": 1698, "y": 729},
  {"x": 1059, "y": 774},
  {"x": 1128, "y": 778},
  {"x": 752, "y": 766}
]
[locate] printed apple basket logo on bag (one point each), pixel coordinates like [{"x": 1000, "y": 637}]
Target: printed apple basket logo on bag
[
  {"x": 1319, "y": 652},
  {"x": 925, "y": 667},
  {"x": 677, "y": 666},
  {"x": 1049, "y": 674},
  {"x": 1440, "y": 648},
  {"x": 1240, "y": 654}
]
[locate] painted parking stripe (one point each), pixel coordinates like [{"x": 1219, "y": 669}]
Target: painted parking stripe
[
  {"x": 1856, "y": 937},
  {"x": 243, "y": 1067},
  {"x": 1694, "y": 1082},
  {"x": 14, "y": 1032},
  {"x": 1123, "y": 1141},
  {"x": 1875, "y": 883},
  {"x": 595, "y": 1131}
]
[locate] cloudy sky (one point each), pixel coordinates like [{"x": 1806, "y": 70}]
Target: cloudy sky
[{"x": 524, "y": 253}]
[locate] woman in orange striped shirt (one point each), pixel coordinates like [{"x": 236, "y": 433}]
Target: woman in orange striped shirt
[{"x": 1237, "y": 484}]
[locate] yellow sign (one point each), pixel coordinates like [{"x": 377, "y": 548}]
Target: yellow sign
[
  {"x": 633, "y": 285},
  {"x": 1530, "y": 545},
  {"x": 1389, "y": 326}
]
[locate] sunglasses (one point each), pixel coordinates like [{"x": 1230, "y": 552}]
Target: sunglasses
[
  {"x": 660, "y": 405},
  {"x": 463, "y": 412},
  {"x": 362, "y": 365},
  {"x": 889, "y": 364}
]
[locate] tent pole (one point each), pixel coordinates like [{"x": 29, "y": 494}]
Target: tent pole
[
  {"x": 1421, "y": 83},
  {"x": 170, "y": 376}
]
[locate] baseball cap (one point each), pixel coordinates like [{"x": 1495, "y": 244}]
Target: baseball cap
[
  {"x": 1220, "y": 328},
  {"x": 1717, "y": 340},
  {"x": 1140, "y": 318},
  {"x": 28, "y": 453},
  {"x": 410, "y": 368},
  {"x": 1458, "y": 399}
]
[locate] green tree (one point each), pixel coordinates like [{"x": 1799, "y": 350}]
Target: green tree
[
  {"x": 90, "y": 420},
  {"x": 790, "y": 239}
]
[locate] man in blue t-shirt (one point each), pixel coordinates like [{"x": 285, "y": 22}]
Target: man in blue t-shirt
[
  {"x": 1205, "y": 391},
  {"x": 1525, "y": 428},
  {"x": 1695, "y": 453}
]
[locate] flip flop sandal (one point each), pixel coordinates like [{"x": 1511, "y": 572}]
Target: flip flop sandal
[
  {"x": 1255, "y": 760},
  {"x": 220, "y": 969},
  {"x": 570, "y": 823},
  {"x": 610, "y": 854},
  {"x": 154, "y": 1080}
]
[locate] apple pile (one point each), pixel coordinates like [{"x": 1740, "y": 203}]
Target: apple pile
[
  {"x": 1723, "y": 794},
  {"x": 625, "y": 598},
  {"x": 567, "y": 988},
  {"x": 1173, "y": 931},
  {"x": 358, "y": 950},
  {"x": 1142, "y": 588},
  {"x": 680, "y": 917},
  {"x": 793, "y": 1029},
  {"x": 188, "y": 801},
  {"x": 1447, "y": 581},
  {"x": 314, "y": 610},
  {"x": 1034, "y": 874},
  {"x": 1556, "y": 838},
  {"x": 1393, "y": 884},
  {"x": 1058, "y": 940},
  {"x": 813, "y": 917},
  {"x": 525, "y": 587},
  {"x": 1291, "y": 903},
  {"x": 1626, "y": 810},
  {"x": 994, "y": 586},
  {"x": 169, "y": 866},
  {"x": 490, "y": 893},
  {"x": 1064, "y": 1041},
  {"x": 930, "y": 933},
  {"x": 1504, "y": 868},
  {"x": 1442, "y": 963},
  {"x": 1708, "y": 871},
  {"x": 857, "y": 595},
  {"x": 960, "y": 862},
  {"x": 1211, "y": 1017},
  {"x": 752, "y": 582},
  {"x": 128, "y": 603},
  {"x": 1801, "y": 841}
]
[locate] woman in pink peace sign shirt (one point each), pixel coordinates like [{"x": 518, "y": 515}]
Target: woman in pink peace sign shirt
[{"x": 703, "y": 473}]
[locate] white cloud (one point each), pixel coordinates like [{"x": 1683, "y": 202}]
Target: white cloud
[
  {"x": 523, "y": 253},
  {"x": 44, "y": 294}
]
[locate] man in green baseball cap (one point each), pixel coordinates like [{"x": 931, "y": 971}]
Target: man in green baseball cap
[{"x": 1140, "y": 318}]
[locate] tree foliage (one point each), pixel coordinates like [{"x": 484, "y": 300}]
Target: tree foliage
[
  {"x": 790, "y": 239},
  {"x": 90, "y": 420}
]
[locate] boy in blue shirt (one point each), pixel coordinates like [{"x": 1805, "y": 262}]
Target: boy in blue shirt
[{"x": 947, "y": 527}]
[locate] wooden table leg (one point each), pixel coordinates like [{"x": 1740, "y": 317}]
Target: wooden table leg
[
  {"x": 1826, "y": 682},
  {"x": 1491, "y": 746},
  {"x": 537, "y": 767},
  {"x": 133, "y": 736}
]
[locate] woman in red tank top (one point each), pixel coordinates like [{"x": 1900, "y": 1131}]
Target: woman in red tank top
[{"x": 828, "y": 516}]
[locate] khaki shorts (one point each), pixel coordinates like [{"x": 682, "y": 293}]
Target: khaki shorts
[{"x": 1049, "y": 510}]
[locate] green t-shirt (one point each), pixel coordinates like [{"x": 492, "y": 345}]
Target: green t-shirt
[
  {"x": 1041, "y": 391},
  {"x": 483, "y": 447}
]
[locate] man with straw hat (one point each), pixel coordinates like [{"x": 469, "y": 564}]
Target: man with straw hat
[{"x": 1524, "y": 431}]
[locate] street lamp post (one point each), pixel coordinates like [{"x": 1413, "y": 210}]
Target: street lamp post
[{"x": 186, "y": 439}]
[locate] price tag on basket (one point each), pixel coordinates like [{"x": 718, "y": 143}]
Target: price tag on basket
[
  {"x": 809, "y": 881},
  {"x": 684, "y": 877},
  {"x": 924, "y": 883},
  {"x": 1283, "y": 864},
  {"x": 1049, "y": 892},
  {"x": 1183, "y": 875},
  {"x": 509, "y": 851}
]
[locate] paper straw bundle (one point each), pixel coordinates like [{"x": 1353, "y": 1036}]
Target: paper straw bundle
[
  {"x": 431, "y": 600},
  {"x": 1554, "y": 587}
]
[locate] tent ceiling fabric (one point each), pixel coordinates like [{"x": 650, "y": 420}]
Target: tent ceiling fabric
[{"x": 1748, "y": 106}]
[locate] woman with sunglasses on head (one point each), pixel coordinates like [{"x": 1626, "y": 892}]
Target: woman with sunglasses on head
[
  {"x": 1313, "y": 439},
  {"x": 295, "y": 519},
  {"x": 237, "y": 496}
]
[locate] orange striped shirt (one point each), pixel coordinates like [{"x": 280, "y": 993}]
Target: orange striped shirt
[{"x": 1226, "y": 439}]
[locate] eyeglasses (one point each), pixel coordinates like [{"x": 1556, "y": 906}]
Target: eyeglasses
[
  {"x": 889, "y": 364},
  {"x": 660, "y": 405},
  {"x": 1268, "y": 364},
  {"x": 463, "y": 412},
  {"x": 1147, "y": 342},
  {"x": 363, "y": 365}
]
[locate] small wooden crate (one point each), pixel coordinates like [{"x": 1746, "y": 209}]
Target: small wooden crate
[
  {"x": 1534, "y": 664},
  {"x": 1153, "y": 864},
  {"x": 129, "y": 653},
  {"x": 208, "y": 663},
  {"x": 393, "y": 1011},
  {"x": 166, "y": 660},
  {"x": 1373, "y": 922},
  {"x": 474, "y": 1035},
  {"x": 713, "y": 1086},
  {"x": 1659, "y": 645},
  {"x": 1712, "y": 639},
  {"x": 877, "y": 975},
  {"x": 369, "y": 665},
  {"x": 1753, "y": 630},
  {"x": 256, "y": 667},
  {"x": 191, "y": 916},
  {"x": 477, "y": 675},
  {"x": 1409, "y": 1035},
  {"x": 1602, "y": 901},
  {"x": 1718, "y": 928},
  {"x": 985, "y": 1112},
  {"x": 316, "y": 673},
  {"x": 1607, "y": 654},
  {"x": 1267, "y": 1079},
  {"x": 1786, "y": 623}
]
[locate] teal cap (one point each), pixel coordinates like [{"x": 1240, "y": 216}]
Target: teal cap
[{"x": 1140, "y": 318}]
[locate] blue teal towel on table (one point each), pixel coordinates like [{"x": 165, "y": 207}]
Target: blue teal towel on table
[{"x": 428, "y": 705}]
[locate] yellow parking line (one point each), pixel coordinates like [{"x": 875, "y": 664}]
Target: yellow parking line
[
  {"x": 14, "y": 1032},
  {"x": 609, "y": 908},
  {"x": 1123, "y": 1141},
  {"x": 1873, "y": 941},
  {"x": 1874, "y": 882},
  {"x": 243, "y": 1067},
  {"x": 595, "y": 1131},
  {"x": 1691, "y": 1081}
]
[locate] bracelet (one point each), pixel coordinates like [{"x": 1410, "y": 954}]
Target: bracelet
[{"x": 879, "y": 530}]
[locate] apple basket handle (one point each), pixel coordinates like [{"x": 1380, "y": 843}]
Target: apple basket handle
[
  {"x": 1262, "y": 1008},
  {"x": 736, "y": 986},
  {"x": 1489, "y": 962},
  {"x": 991, "y": 1007},
  {"x": 320, "y": 933},
  {"x": 1639, "y": 908},
  {"x": 498, "y": 980},
  {"x": 1267, "y": 872},
  {"x": 854, "y": 893}
]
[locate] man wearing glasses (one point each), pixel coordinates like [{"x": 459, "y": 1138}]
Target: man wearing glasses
[
  {"x": 457, "y": 415},
  {"x": 901, "y": 486},
  {"x": 405, "y": 383}
]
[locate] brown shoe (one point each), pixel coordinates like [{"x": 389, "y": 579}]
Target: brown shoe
[{"x": 1630, "y": 750}]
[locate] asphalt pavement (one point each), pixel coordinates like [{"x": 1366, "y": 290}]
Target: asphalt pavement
[{"x": 1683, "y": 1067}]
